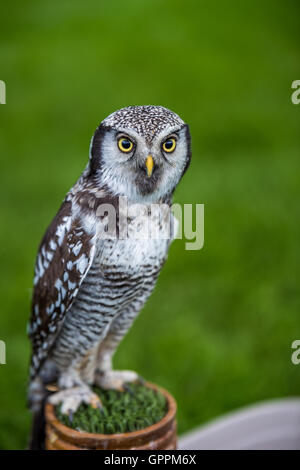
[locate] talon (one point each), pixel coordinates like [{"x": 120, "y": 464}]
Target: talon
[
  {"x": 72, "y": 398},
  {"x": 141, "y": 380},
  {"x": 96, "y": 402},
  {"x": 70, "y": 416},
  {"x": 127, "y": 388},
  {"x": 115, "y": 379},
  {"x": 100, "y": 408},
  {"x": 52, "y": 388}
]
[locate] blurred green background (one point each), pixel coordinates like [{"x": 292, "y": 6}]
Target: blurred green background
[{"x": 217, "y": 331}]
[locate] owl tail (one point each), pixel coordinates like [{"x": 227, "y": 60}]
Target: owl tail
[{"x": 37, "y": 398}]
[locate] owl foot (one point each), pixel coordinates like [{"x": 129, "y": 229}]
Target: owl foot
[
  {"x": 115, "y": 379},
  {"x": 71, "y": 398}
]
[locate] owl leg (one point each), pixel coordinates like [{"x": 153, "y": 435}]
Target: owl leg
[
  {"x": 75, "y": 377},
  {"x": 74, "y": 354},
  {"x": 73, "y": 392},
  {"x": 105, "y": 376}
]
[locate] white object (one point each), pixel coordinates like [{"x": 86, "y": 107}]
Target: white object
[{"x": 274, "y": 424}]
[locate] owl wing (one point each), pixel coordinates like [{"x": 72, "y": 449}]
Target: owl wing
[{"x": 64, "y": 258}]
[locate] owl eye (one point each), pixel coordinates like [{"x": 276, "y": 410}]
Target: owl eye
[
  {"x": 169, "y": 145},
  {"x": 125, "y": 144}
]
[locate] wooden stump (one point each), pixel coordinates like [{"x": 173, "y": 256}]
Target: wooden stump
[{"x": 159, "y": 436}]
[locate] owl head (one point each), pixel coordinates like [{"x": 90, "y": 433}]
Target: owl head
[{"x": 141, "y": 152}]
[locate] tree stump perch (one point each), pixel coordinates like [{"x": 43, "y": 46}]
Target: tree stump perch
[{"x": 159, "y": 436}]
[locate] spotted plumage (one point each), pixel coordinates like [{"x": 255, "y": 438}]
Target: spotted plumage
[
  {"x": 145, "y": 120},
  {"x": 96, "y": 265}
]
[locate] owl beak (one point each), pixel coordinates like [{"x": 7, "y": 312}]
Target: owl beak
[{"x": 149, "y": 165}]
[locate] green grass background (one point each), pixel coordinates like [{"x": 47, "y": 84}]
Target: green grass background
[{"x": 217, "y": 331}]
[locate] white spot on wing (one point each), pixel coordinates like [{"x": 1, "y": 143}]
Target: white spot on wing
[
  {"x": 71, "y": 285},
  {"x": 58, "y": 284},
  {"x": 69, "y": 265},
  {"x": 77, "y": 248},
  {"x": 52, "y": 245},
  {"x": 63, "y": 292},
  {"x": 60, "y": 233},
  {"x": 82, "y": 263},
  {"x": 49, "y": 255}
]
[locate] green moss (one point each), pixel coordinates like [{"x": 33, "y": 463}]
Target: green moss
[{"x": 135, "y": 408}]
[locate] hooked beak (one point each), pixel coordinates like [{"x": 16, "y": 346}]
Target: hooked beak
[{"x": 149, "y": 165}]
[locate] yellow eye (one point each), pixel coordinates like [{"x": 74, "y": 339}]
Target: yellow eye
[
  {"x": 125, "y": 144},
  {"x": 169, "y": 145}
]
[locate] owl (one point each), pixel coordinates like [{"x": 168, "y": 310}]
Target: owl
[{"x": 94, "y": 271}]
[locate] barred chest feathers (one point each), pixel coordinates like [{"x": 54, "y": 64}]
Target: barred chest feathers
[
  {"x": 146, "y": 244},
  {"x": 124, "y": 270}
]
